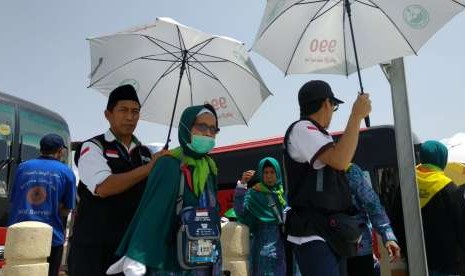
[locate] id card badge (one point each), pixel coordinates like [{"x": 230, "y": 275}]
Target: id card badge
[{"x": 201, "y": 251}]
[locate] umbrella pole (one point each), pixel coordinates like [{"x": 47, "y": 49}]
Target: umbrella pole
[
  {"x": 349, "y": 15},
  {"x": 181, "y": 73}
]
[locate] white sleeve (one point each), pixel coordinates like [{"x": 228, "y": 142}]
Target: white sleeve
[
  {"x": 305, "y": 141},
  {"x": 240, "y": 185},
  {"x": 92, "y": 166},
  {"x": 128, "y": 266}
]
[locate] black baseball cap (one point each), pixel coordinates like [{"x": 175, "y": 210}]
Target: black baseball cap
[
  {"x": 124, "y": 92},
  {"x": 316, "y": 90},
  {"x": 51, "y": 142}
]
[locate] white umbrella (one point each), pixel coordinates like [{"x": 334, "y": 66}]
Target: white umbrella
[
  {"x": 314, "y": 35},
  {"x": 172, "y": 65},
  {"x": 343, "y": 36},
  {"x": 456, "y": 147}
]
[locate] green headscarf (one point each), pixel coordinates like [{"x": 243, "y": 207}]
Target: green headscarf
[
  {"x": 257, "y": 199},
  {"x": 434, "y": 153},
  {"x": 201, "y": 164}
]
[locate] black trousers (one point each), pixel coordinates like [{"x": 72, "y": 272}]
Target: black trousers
[
  {"x": 54, "y": 260},
  {"x": 361, "y": 266},
  {"x": 91, "y": 260}
]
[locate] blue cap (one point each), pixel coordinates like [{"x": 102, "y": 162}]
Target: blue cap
[{"x": 51, "y": 142}]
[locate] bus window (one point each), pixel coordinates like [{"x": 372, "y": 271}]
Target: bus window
[
  {"x": 33, "y": 126},
  {"x": 7, "y": 116}
]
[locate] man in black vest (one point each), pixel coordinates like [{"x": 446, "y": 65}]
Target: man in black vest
[
  {"x": 314, "y": 167},
  {"x": 113, "y": 168}
]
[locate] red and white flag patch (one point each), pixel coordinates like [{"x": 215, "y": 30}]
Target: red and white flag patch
[
  {"x": 84, "y": 151},
  {"x": 112, "y": 153},
  {"x": 312, "y": 128}
]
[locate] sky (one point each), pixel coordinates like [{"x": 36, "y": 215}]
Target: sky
[{"x": 45, "y": 59}]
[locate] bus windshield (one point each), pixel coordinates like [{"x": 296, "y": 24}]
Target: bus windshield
[{"x": 33, "y": 126}]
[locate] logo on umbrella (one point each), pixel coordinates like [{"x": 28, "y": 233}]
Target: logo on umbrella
[
  {"x": 416, "y": 16},
  {"x": 132, "y": 82}
]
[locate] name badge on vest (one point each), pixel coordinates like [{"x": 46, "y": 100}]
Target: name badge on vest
[{"x": 198, "y": 238}]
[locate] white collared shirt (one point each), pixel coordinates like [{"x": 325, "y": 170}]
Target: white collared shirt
[{"x": 93, "y": 168}]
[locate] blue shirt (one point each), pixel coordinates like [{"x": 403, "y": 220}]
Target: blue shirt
[{"x": 41, "y": 186}]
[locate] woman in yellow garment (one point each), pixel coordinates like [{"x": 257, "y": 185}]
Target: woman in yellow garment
[{"x": 443, "y": 212}]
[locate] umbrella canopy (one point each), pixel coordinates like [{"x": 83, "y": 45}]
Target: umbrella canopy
[
  {"x": 456, "y": 147},
  {"x": 172, "y": 65},
  {"x": 314, "y": 36}
]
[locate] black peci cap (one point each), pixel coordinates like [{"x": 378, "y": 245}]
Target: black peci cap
[{"x": 124, "y": 92}]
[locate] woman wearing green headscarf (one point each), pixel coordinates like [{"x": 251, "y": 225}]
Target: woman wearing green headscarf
[
  {"x": 261, "y": 208},
  {"x": 443, "y": 212},
  {"x": 149, "y": 246}
]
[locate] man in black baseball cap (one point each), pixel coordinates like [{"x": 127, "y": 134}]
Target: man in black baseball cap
[
  {"x": 312, "y": 95},
  {"x": 315, "y": 167}
]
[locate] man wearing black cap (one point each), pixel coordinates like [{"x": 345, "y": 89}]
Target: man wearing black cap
[
  {"x": 314, "y": 168},
  {"x": 113, "y": 168},
  {"x": 45, "y": 190}
]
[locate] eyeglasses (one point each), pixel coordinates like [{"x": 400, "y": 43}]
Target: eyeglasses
[
  {"x": 335, "y": 106},
  {"x": 204, "y": 127}
]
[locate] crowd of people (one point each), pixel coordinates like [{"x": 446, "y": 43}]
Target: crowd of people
[{"x": 143, "y": 213}]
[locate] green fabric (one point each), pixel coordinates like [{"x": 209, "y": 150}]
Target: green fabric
[
  {"x": 201, "y": 168},
  {"x": 146, "y": 239},
  {"x": 150, "y": 238},
  {"x": 435, "y": 153},
  {"x": 256, "y": 199},
  {"x": 230, "y": 213}
]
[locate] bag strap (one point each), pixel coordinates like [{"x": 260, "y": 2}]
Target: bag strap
[
  {"x": 286, "y": 153},
  {"x": 179, "y": 199},
  {"x": 274, "y": 207}
]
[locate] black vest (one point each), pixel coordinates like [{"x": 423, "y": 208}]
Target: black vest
[
  {"x": 103, "y": 221},
  {"x": 308, "y": 190}
]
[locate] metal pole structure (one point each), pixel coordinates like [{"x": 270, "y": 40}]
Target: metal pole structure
[{"x": 417, "y": 264}]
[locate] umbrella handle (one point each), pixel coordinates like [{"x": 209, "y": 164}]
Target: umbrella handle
[
  {"x": 367, "y": 118},
  {"x": 367, "y": 121}
]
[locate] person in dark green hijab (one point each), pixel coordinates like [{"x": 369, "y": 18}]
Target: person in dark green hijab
[
  {"x": 149, "y": 246},
  {"x": 442, "y": 211},
  {"x": 261, "y": 207}
]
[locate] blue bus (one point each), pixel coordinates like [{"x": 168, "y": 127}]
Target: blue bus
[{"x": 22, "y": 124}]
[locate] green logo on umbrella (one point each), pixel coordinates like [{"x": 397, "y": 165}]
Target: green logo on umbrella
[
  {"x": 416, "y": 16},
  {"x": 132, "y": 82}
]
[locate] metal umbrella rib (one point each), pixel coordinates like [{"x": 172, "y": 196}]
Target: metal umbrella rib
[
  {"x": 214, "y": 77},
  {"x": 317, "y": 15}
]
